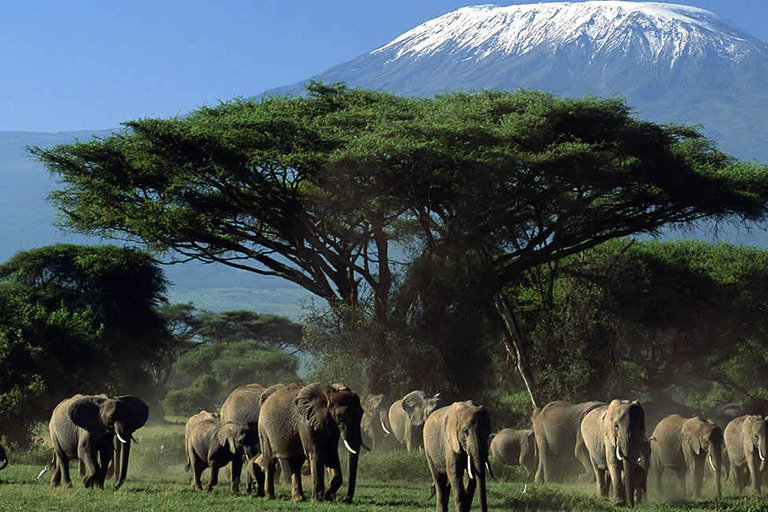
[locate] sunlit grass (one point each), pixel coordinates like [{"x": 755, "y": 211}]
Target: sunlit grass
[{"x": 389, "y": 481}]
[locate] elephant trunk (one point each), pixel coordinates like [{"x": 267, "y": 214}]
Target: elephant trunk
[
  {"x": 477, "y": 457},
  {"x": 629, "y": 478},
  {"x": 123, "y": 452},
  {"x": 353, "y": 442}
]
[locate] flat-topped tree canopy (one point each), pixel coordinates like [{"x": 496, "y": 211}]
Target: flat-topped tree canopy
[{"x": 315, "y": 189}]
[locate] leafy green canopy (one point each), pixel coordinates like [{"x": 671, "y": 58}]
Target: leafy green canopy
[
  {"x": 337, "y": 190},
  {"x": 677, "y": 318},
  {"x": 75, "y": 318},
  {"x": 313, "y": 189}
]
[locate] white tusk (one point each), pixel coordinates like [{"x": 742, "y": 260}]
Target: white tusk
[
  {"x": 760, "y": 453},
  {"x": 618, "y": 455},
  {"x": 120, "y": 438},
  {"x": 385, "y": 428},
  {"x": 469, "y": 467},
  {"x": 353, "y": 452},
  {"x": 712, "y": 464},
  {"x": 44, "y": 471},
  {"x": 525, "y": 488}
]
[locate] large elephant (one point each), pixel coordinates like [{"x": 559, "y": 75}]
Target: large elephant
[
  {"x": 242, "y": 406},
  {"x": 557, "y": 431},
  {"x": 747, "y": 443},
  {"x": 407, "y": 417},
  {"x": 211, "y": 442},
  {"x": 375, "y": 421},
  {"x": 685, "y": 445},
  {"x": 613, "y": 435},
  {"x": 456, "y": 440},
  {"x": 516, "y": 448},
  {"x": 299, "y": 423},
  {"x": 83, "y": 427}
]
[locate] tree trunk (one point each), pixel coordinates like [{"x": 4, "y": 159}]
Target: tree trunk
[{"x": 516, "y": 345}]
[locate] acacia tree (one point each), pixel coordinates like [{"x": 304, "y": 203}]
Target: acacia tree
[{"x": 320, "y": 189}]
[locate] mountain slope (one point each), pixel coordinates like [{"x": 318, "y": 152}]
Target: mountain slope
[{"x": 671, "y": 62}]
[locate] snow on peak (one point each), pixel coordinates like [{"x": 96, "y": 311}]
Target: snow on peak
[{"x": 661, "y": 30}]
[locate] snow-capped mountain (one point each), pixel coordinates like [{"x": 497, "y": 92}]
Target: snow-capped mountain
[{"x": 671, "y": 62}]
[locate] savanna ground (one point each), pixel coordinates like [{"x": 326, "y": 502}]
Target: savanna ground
[{"x": 387, "y": 481}]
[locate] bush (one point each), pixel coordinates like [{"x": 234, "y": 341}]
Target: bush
[{"x": 394, "y": 465}]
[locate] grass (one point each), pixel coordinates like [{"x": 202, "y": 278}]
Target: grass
[{"x": 389, "y": 481}]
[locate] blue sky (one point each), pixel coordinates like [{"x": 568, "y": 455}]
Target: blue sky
[{"x": 76, "y": 64}]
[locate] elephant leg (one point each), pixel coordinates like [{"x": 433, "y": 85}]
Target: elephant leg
[
  {"x": 197, "y": 470},
  {"x": 681, "y": 482},
  {"x": 440, "y": 485},
  {"x": 600, "y": 481},
  {"x": 469, "y": 492},
  {"x": 697, "y": 476},
  {"x": 318, "y": 477},
  {"x": 237, "y": 466},
  {"x": 269, "y": 478},
  {"x": 214, "y": 475},
  {"x": 336, "y": 481},
  {"x": 619, "y": 496},
  {"x": 88, "y": 457},
  {"x": 297, "y": 493},
  {"x": 456, "y": 480}
]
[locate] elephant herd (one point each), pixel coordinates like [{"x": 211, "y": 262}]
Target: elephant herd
[
  {"x": 273, "y": 431},
  {"x": 610, "y": 442}
]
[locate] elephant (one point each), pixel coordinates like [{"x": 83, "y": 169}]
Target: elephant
[
  {"x": 456, "y": 440},
  {"x": 745, "y": 438},
  {"x": 211, "y": 442},
  {"x": 516, "y": 448},
  {"x": 242, "y": 406},
  {"x": 299, "y": 423},
  {"x": 83, "y": 427},
  {"x": 375, "y": 421},
  {"x": 685, "y": 445},
  {"x": 613, "y": 435},
  {"x": 556, "y": 427},
  {"x": 661, "y": 407},
  {"x": 3, "y": 458},
  {"x": 407, "y": 417}
]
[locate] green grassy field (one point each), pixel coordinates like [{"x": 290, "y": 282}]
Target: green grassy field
[{"x": 391, "y": 481}]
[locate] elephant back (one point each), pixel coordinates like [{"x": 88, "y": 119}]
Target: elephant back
[{"x": 242, "y": 405}]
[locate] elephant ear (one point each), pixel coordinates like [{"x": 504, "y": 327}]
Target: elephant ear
[
  {"x": 132, "y": 412},
  {"x": 694, "y": 443},
  {"x": 453, "y": 426},
  {"x": 85, "y": 412},
  {"x": 313, "y": 404},
  {"x": 413, "y": 405}
]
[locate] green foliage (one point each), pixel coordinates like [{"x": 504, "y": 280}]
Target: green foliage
[
  {"x": 75, "y": 318},
  {"x": 652, "y": 318},
  {"x": 475, "y": 189}
]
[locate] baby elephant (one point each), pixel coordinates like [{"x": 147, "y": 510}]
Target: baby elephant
[
  {"x": 211, "y": 442},
  {"x": 516, "y": 448}
]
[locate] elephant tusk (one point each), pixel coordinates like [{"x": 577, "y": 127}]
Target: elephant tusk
[
  {"x": 712, "y": 464},
  {"x": 760, "y": 453},
  {"x": 346, "y": 444},
  {"x": 120, "y": 438},
  {"x": 385, "y": 428},
  {"x": 44, "y": 471},
  {"x": 469, "y": 467},
  {"x": 618, "y": 454}
]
